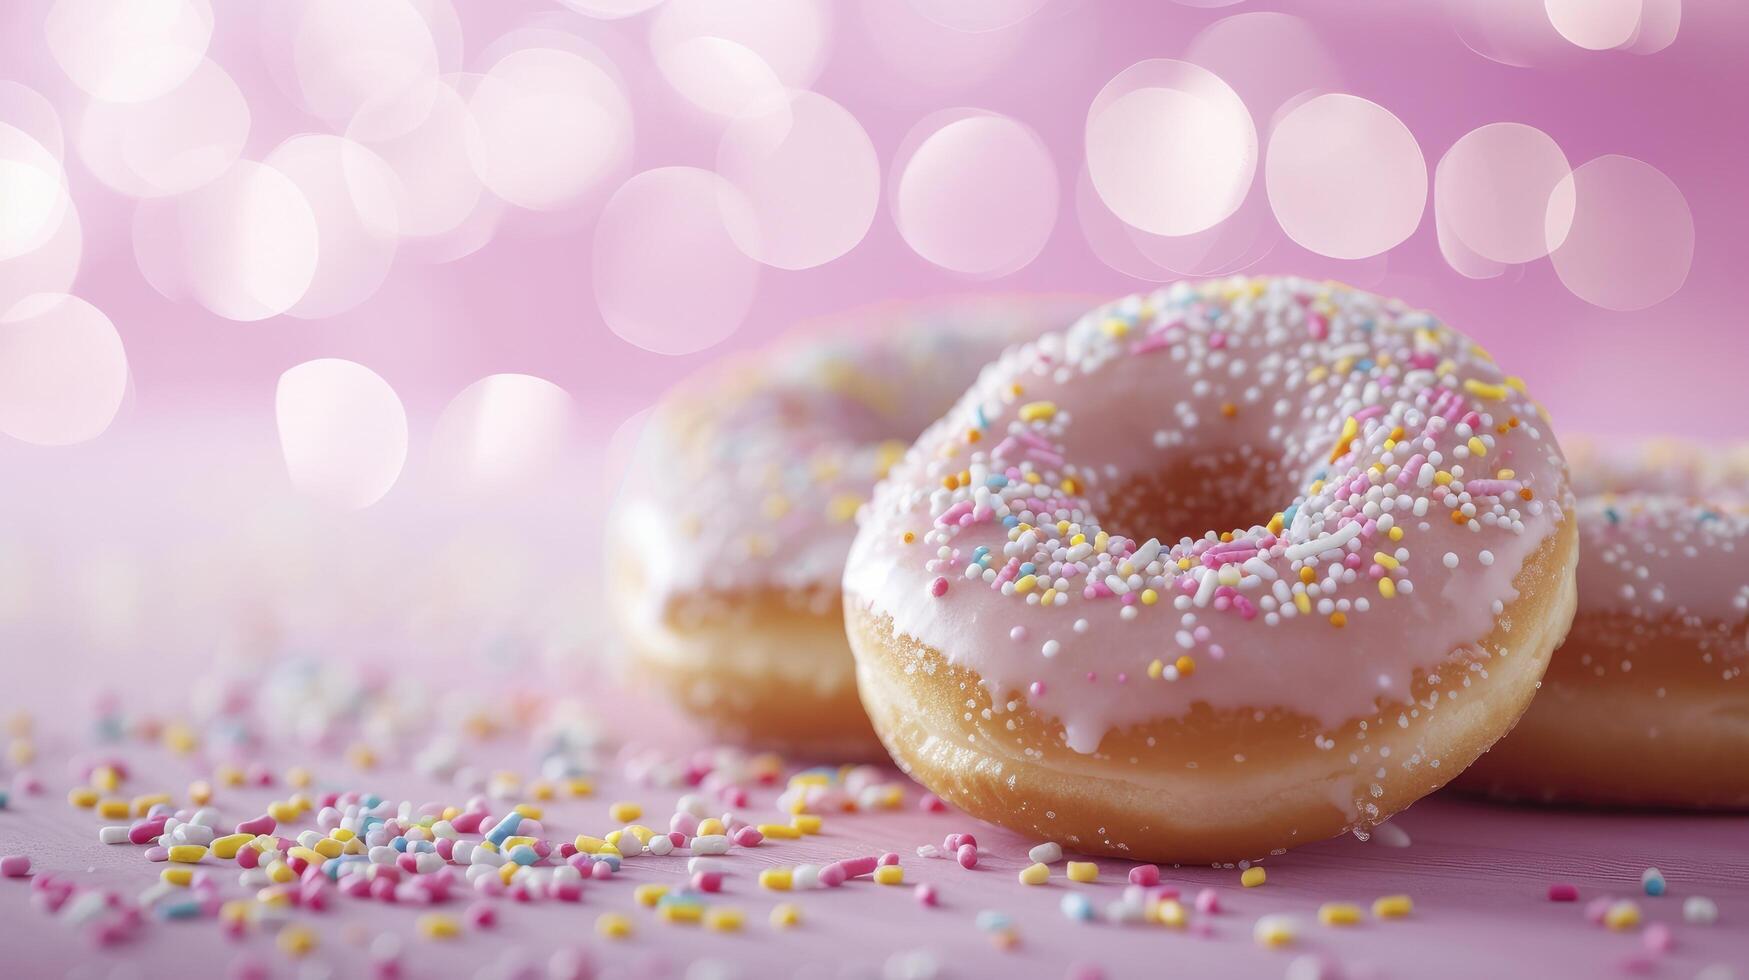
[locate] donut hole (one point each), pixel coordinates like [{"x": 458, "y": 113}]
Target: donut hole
[{"x": 1227, "y": 489}]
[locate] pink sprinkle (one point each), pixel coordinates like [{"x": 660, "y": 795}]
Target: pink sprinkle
[
  {"x": 1561, "y": 891},
  {"x": 1208, "y": 901},
  {"x": 938, "y": 588},
  {"x": 1597, "y": 908},
  {"x": 930, "y": 803},
  {"x": 482, "y": 915},
  {"x": 748, "y": 837},
  {"x": 887, "y": 859},
  {"x": 466, "y": 823},
  {"x": 926, "y": 896},
  {"x": 1145, "y": 875},
  {"x": 144, "y": 831},
  {"x": 157, "y": 854},
  {"x": 832, "y": 875},
  {"x": 14, "y": 866},
  {"x": 857, "y": 867},
  {"x": 568, "y": 891},
  {"x": 1658, "y": 938},
  {"x": 968, "y": 856},
  {"x": 263, "y": 824},
  {"x": 708, "y": 881},
  {"x": 602, "y": 871}
]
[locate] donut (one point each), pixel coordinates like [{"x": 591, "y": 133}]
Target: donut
[
  {"x": 726, "y": 544},
  {"x": 1647, "y": 702},
  {"x": 1371, "y": 560}
]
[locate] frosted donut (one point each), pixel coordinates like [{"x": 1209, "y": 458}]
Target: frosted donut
[
  {"x": 727, "y": 543},
  {"x": 1647, "y": 702},
  {"x": 1390, "y": 565}
]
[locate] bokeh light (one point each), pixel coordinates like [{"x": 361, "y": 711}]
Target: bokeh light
[
  {"x": 436, "y": 187},
  {"x": 244, "y": 246},
  {"x": 1170, "y": 147},
  {"x": 976, "y": 192},
  {"x": 610, "y": 9},
  {"x": 342, "y": 432},
  {"x": 171, "y": 144},
  {"x": 978, "y": 16},
  {"x": 551, "y": 125},
  {"x": 932, "y": 56},
  {"x": 809, "y": 175},
  {"x": 128, "y": 50},
  {"x": 33, "y": 193},
  {"x": 1630, "y": 238},
  {"x": 668, "y": 275},
  {"x": 792, "y": 36},
  {"x": 351, "y": 193},
  {"x": 27, "y": 109},
  {"x": 502, "y": 432},
  {"x": 1596, "y": 25},
  {"x": 350, "y": 53},
  {"x": 1267, "y": 58},
  {"x": 49, "y": 268},
  {"x": 1346, "y": 178},
  {"x": 1492, "y": 190},
  {"x": 1110, "y": 239},
  {"x": 62, "y": 370},
  {"x": 721, "y": 76}
]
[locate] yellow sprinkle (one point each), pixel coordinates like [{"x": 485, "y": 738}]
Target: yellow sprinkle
[
  {"x": 588, "y": 844},
  {"x": 1083, "y": 871},
  {"x": 776, "y": 879},
  {"x": 143, "y": 804},
  {"x": 1025, "y": 583},
  {"x": 229, "y": 775},
  {"x": 280, "y": 873},
  {"x": 1303, "y": 602},
  {"x": 1275, "y": 523},
  {"x": 1392, "y": 907},
  {"x": 187, "y": 853},
  {"x": 361, "y": 757},
  {"x": 807, "y": 823},
  {"x": 612, "y": 925},
  {"x": 578, "y": 786},
  {"x": 200, "y": 792},
  {"x": 328, "y": 847},
  {"x": 282, "y": 812},
  {"x": 180, "y": 738},
  {"x": 1339, "y": 913},
  {"x": 296, "y": 940},
  {"x": 624, "y": 812},
  {"x": 434, "y": 926},
  {"x": 681, "y": 913},
  {"x": 1171, "y": 914},
  {"x": 343, "y": 835},
  {"x": 1308, "y": 574},
  {"x": 710, "y": 826},
  {"x": 649, "y": 895},
  {"x": 1155, "y": 669},
  {"x": 889, "y": 874},
  {"x": 1186, "y": 665},
  {"x": 1384, "y": 559},
  {"x": 1387, "y": 588},
  {"x": 1477, "y": 447},
  {"x": 507, "y": 871},
  {"x": 1049, "y": 597},
  {"x": 1339, "y": 619},
  {"x": 226, "y": 847},
  {"x": 1484, "y": 390},
  {"x": 1443, "y": 478},
  {"x": 1115, "y": 328},
  {"x": 784, "y": 915},
  {"x": 1396, "y": 533},
  {"x": 1253, "y": 876},
  {"x": 111, "y": 808},
  {"x": 779, "y": 831},
  {"x": 180, "y": 877},
  {"x": 724, "y": 919},
  {"x": 1622, "y": 916},
  {"x": 1037, "y": 874},
  {"x": 1038, "y": 411},
  {"x": 1272, "y": 932},
  {"x": 106, "y": 778}
]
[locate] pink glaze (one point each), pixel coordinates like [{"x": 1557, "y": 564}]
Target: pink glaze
[{"x": 1110, "y": 414}]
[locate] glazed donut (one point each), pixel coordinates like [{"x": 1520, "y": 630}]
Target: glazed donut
[
  {"x": 1647, "y": 702},
  {"x": 1373, "y": 561},
  {"x": 727, "y": 542}
]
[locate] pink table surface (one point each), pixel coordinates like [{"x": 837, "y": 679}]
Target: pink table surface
[{"x": 1477, "y": 872}]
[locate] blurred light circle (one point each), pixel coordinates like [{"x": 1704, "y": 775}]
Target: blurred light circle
[
  {"x": 1630, "y": 239},
  {"x": 610, "y": 9},
  {"x": 668, "y": 276},
  {"x": 1596, "y": 25},
  {"x": 342, "y": 431},
  {"x": 791, "y": 36},
  {"x": 62, "y": 370},
  {"x": 50, "y": 268},
  {"x": 25, "y": 108},
  {"x": 1234, "y": 245},
  {"x": 171, "y": 144},
  {"x": 502, "y": 431},
  {"x": 551, "y": 125},
  {"x": 244, "y": 246},
  {"x": 350, "y": 53},
  {"x": 1111, "y": 239},
  {"x": 1209, "y": 4},
  {"x": 33, "y": 193},
  {"x": 1458, "y": 255},
  {"x": 932, "y": 55},
  {"x": 1345, "y": 177},
  {"x": 978, "y": 16},
  {"x": 1659, "y": 22},
  {"x": 128, "y": 50},
  {"x": 1267, "y": 58},
  {"x": 1492, "y": 190},
  {"x": 808, "y": 172},
  {"x": 351, "y": 193},
  {"x": 435, "y": 186},
  {"x": 1170, "y": 147},
  {"x": 1510, "y": 32},
  {"x": 720, "y": 76},
  {"x": 977, "y": 193}
]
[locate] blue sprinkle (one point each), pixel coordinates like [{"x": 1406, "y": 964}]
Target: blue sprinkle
[
  {"x": 524, "y": 855},
  {"x": 995, "y": 481},
  {"x": 3, "y": 798},
  {"x": 1076, "y": 906},
  {"x": 186, "y": 908},
  {"x": 611, "y": 859},
  {"x": 1026, "y": 568},
  {"x": 1010, "y": 521},
  {"x": 991, "y": 920},
  {"x": 505, "y": 827},
  {"x": 400, "y": 844},
  {"x": 1287, "y": 516},
  {"x": 1364, "y": 364}
]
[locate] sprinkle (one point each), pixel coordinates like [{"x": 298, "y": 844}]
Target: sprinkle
[
  {"x": 1699, "y": 910},
  {"x": 649, "y": 894},
  {"x": 967, "y": 855},
  {"x": 439, "y": 927},
  {"x": 1083, "y": 871},
  {"x": 296, "y": 941},
  {"x": 724, "y": 919},
  {"x": 1146, "y": 875},
  {"x": 806, "y": 823},
  {"x": 14, "y": 866},
  {"x": 624, "y": 812},
  {"x": 1076, "y": 906},
  {"x": 1253, "y": 876},
  {"x": 890, "y": 874},
  {"x": 1392, "y": 907},
  {"x": 1050, "y": 852},
  {"x": 612, "y": 925},
  {"x": 1038, "y": 411},
  {"x": 926, "y": 895},
  {"x": 1562, "y": 891},
  {"x": 1652, "y": 880},
  {"x": 1036, "y": 874},
  {"x": 1273, "y": 931},
  {"x": 1339, "y": 913},
  {"x": 776, "y": 879},
  {"x": 1622, "y": 916},
  {"x": 1170, "y": 913},
  {"x": 785, "y": 915}
]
